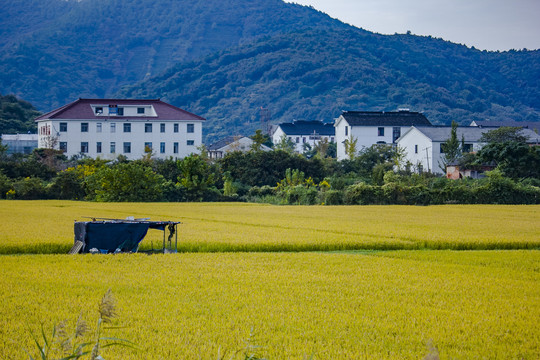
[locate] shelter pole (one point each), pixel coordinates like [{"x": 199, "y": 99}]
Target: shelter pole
[
  {"x": 176, "y": 240},
  {"x": 164, "y": 241}
]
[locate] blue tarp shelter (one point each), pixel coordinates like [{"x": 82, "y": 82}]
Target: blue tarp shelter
[{"x": 112, "y": 236}]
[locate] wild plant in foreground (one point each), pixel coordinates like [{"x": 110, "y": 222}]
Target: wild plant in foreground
[{"x": 72, "y": 346}]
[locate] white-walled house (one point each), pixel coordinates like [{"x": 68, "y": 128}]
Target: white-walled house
[
  {"x": 373, "y": 127},
  {"x": 230, "y": 144},
  {"x": 302, "y": 132},
  {"x": 20, "y": 143},
  {"x": 423, "y": 148},
  {"x": 106, "y": 128}
]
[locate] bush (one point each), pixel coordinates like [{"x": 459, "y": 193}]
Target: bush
[
  {"x": 333, "y": 197},
  {"x": 29, "y": 188},
  {"x": 363, "y": 194}
]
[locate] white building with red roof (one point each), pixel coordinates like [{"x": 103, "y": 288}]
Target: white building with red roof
[{"x": 106, "y": 128}]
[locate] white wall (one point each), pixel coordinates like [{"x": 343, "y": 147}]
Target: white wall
[
  {"x": 137, "y": 137},
  {"x": 299, "y": 140},
  {"x": 418, "y": 150}
]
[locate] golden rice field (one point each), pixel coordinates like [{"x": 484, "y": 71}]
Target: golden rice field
[
  {"x": 276, "y": 270},
  {"x": 47, "y": 226},
  {"x": 377, "y": 305}
]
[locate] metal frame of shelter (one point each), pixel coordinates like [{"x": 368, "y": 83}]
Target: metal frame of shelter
[{"x": 106, "y": 236}]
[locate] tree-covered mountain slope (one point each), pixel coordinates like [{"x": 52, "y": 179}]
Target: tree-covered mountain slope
[
  {"x": 54, "y": 51},
  {"x": 16, "y": 116},
  {"x": 317, "y": 73}
]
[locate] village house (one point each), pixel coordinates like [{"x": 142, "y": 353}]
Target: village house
[
  {"x": 106, "y": 128},
  {"x": 20, "y": 143},
  {"x": 369, "y": 128},
  {"x": 230, "y": 144},
  {"x": 303, "y": 133},
  {"x": 424, "y": 150}
]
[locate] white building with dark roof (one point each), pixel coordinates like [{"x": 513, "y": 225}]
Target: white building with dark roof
[
  {"x": 374, "y": 127},
  {"x": 424, "y": 150},
  {"x": 302, "y": 132},
  {"x": 106, "y": 128}
]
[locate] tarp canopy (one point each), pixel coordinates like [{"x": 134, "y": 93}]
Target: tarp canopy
[{"x": 110, "y": 236}]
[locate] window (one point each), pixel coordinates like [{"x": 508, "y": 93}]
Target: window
[
  {"x": 442, "y": 149},
  {"x": 113, "y": 127},
  {"x": 98, "y": 127},
  {"x": 127, "y": 147},
  {"x": 127, "y": 127},
  {"x": 63, "y": 145},
  {"x": 99, "y": 110},
  {"x": 297, "y": 139},
  {"x": 84, "y": 127},
  {"x": 113, "y": 109},
  {"x": 467, "y": 148},
  {"x": 346, "y": 131},
  {"x": 190, "y": 128},
  {"x": 140, "y": 110},
  {"x": 162, "y": 148},
  {"x": 175, "y": 128},
  {"x": 396, "y": 133},
  {"x": 304, "y": 140},
  {"x": 162, "y": 128},
  {"x": 98, "y": 147},
  {"x": 120, "y": 111},
  {"x": 332, "y": 139},
  {"x": 147, "y": 147},
  {"x": 63, "y": 127},
  {"x": 84, "y": 147},
  {"x": 175, "y": 148},
  {"x": 113, "y": 147},
  {"x": 190, "y": 142},
  {"x": 416, "y": 149},
  {"x": 380, "y": 131},
  {"x": 147, "y": 128}
]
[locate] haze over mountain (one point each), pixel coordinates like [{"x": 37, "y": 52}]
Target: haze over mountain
[{"x": 224, "y": 60}]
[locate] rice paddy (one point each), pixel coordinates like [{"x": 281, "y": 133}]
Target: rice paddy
[{"x": 284, "y": 282}]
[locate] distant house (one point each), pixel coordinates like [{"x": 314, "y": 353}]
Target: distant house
[
  {"x": 230, "y": 144},
  {"x": 302, "y": 132},
  {"x": 535, "y": 126},
  {"x": 372, "y": 127},
  {"x": 20, "y": 143},
  {"x": 106, "y": 128},
  {"x": 423, "y": 145}
]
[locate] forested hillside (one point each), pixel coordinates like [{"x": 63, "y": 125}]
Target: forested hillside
[
  {"x": 315, "y": 74},
  {"x": 54, "y": 51},
  {"x": 16, "y": 116}
]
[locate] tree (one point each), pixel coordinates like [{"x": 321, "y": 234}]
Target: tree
[
  {"x": 514, "y": 159},
  {"x": 196, "y": 178},
  {"x": 259, "y": 139},
  {"x": 285, "y": 144},
  {"x": 503, "y": 134},
  {"x": 350, "y": 147},
  {"x": 125, "y": 182},
  {"x": 451, "y": 148}
]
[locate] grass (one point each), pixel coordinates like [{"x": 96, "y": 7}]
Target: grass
[
  {"x": 383, "y": 305},
  {"x": 46, "y": 227}
]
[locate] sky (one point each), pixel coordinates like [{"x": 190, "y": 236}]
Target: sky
[{"x": 484, "y": 24}]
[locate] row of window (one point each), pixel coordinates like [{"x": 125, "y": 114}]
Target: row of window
[
  {"x": 304, "y": 139},
  {"x": 127, "y": 127},
  {"x": 126, "y": 147},
  {"x": 396, "y": 132},
  {"x": 115, "y": 110}
]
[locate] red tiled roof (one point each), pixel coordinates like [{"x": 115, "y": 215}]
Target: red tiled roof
[{"x": 81, "y": 109}]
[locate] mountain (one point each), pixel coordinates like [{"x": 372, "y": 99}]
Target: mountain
[
  {"x": 16, "y": 116},
  {"x": 316, "y": 73},
  {"x": 54, "y": 51}
]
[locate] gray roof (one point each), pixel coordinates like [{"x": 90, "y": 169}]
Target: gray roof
[
  {"x": 304, "y": 127},
  {"x": 469, "y": 133},
  {"x": 385, "y": 118},
  {"x": 224, "y": 142},
  {"x": 524, "y": 124}
]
